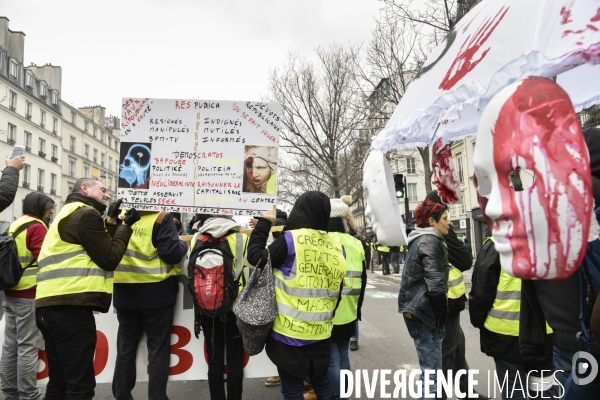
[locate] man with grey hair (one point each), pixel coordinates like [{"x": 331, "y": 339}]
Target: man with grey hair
[{"x": 75, "y": 278}]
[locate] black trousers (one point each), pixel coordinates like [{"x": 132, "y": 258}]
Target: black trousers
[
  {"x": 218, "y": 336},
  {"x": 453, "y": 350},
  {"x": 70, "y": 339},
  {"x": 157, "y": 325},
  {"x": 385, "y": 262}
]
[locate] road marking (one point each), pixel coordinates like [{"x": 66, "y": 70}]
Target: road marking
[
  {"x": 369, "y": 286},
  {"x": 381, "y": 295},
  {"x": 369, "y": 330}
]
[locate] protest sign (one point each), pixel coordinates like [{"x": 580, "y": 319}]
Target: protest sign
[{"x": 197, "y": 156}]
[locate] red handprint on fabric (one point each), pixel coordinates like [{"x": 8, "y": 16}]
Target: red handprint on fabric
[{"x": 465, "y": 62}]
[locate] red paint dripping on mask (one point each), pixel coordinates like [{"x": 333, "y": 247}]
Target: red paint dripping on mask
[{"x": 443, "y": 173}]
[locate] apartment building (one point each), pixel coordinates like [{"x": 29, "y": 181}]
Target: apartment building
[{"x": 30, "y": 116}]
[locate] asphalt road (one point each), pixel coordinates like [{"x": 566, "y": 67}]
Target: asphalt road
[{"x": 384, "y": 344}]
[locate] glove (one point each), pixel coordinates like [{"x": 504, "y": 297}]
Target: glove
[
  {"x": 113, "y": 209},
  {"x": 131, "y": 217}
]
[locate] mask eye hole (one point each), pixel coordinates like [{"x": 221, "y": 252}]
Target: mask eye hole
[{"x": 521, "y": 179}]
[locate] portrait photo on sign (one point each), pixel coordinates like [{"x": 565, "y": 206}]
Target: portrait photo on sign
[
  {"x": 134, "y": 165},
  {"x": 260, "y": 169}
]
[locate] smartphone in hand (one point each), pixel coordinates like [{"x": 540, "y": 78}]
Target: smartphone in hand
[{"x": 18, "y": 150}]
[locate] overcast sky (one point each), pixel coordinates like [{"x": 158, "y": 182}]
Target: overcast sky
[{"x": 192, "y": 49}]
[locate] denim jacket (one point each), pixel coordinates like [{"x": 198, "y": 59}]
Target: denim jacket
[{"x": 423, "y": 291}]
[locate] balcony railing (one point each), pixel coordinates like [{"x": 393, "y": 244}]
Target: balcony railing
[
  {"x": 54, "y": 159},
  {"x": 42, "y": 154},
  {"x": 26, "y": 185},
  {"x": 40, "y": 189},
  {"x": 53, "y": 192},
  {"x": 11, "y": 141},
  {"x": 28, "y": 149}
]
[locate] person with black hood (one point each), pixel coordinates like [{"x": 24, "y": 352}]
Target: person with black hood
[
  {"x": 460, "y": 260},
  {"x": 299, "y": 342},
  {"x": 75, "y": 278},
  {"x": 18, "y": 366}
]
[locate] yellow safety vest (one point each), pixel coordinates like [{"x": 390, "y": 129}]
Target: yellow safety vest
[
  {"x": 141, "y": 263},
  {"x": 456, "y": 283},
  {"x": 355, "y": 255},
  {"x": 401, "y": 248},
  {"x": 383, "y": 249},
  {"x": 65, "y": 268},
  {"x": 307, "y": 297},
  {"x": 25, "y": 256},
  {"x": 237, "y": 244}
]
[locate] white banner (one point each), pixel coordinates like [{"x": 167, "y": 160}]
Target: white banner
[
  {"x": 197, "y": 156},
  {"x": 188, "y": 355}
]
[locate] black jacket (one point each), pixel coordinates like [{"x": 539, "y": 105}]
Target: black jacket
[
  {"x": 423, "y": 291},
  {"x": 9, "y": 183},
  {"x": 486, "y": 276},
  {"x": 156, "y": 295},
  {"x": 460, "y": 258}
]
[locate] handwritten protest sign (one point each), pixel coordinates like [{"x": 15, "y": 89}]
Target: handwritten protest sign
[{"x": 217, "y": 157}]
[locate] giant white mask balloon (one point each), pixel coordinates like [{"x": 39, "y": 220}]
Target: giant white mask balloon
[
  {"x": 541, "y": 232},
  {"x": 382, "y": 204},
  {"x": 136, "y": 164}
]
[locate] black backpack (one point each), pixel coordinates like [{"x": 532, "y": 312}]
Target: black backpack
[
  {"x": 10, "y": 267},
  {"x": 211, "y": 280}
]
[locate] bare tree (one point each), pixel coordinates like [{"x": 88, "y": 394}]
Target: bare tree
[{"x": 321, "y": 112}]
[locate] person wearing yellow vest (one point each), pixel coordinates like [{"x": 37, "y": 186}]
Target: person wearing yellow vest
[
  {"x": 384, "y": 251},
  {"x": 494, "y": 308},
  {"x": 18, "y": 366},
  {"x": 309, "y": 269},
  {"x": 222, "y": 336},
  {"x": 145, "y": 292},
  {"x": 75, "y": 278},
  {"x": 355, "y": 281}
]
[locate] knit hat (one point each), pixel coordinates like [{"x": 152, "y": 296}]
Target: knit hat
[{"x": 339, "y": 207}]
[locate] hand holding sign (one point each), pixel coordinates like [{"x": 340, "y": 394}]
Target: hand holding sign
[{"x": 271, "y": 214}]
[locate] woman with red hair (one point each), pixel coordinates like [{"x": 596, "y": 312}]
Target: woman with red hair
[{"x": 422, "y": 299}]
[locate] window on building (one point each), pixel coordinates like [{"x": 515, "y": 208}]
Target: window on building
[
  {"x": 53, "y": 184},
  {"x": 54, "y": 125},
  {"x": 86, "y": 171},
  {"x": 117, "y": 165},
  {"x": 40, "y": 183},
  {"x": 42, "y": 118},
  {"x": 28, "y": 110},
  {"x": 54, "y": 98},
  {"x": 29, "y": 80},
  {"x": 110, "y": 163},
  {"x": 13, "y": 69},
  {"x": 43, "y": 90},
  {"x": 102, "y": 159},
  {"x": 42, "y": 146},
  {"x": 71, "y": 168},
  {"x": 72, "y": 144},
  {"x": 12, "y": 134},
  {"x": 459, "y": 169},
  {"x": 27, "y": 141},
  {"x": 411, "y": 165},
  {"x": 87, "y": 151},
  {"x": 54, "y": 153},
  {"x": 73, "y": 117},
  {"x": 110, "y": 185},
  {"x": 102, "y": 137},
  {"x": 109, "y": 141},
  {"x": 463, "y": 203},
  {"x": 26, "y": 172},
  {"x": 95, "y": 131},
  {"x": 86, "y": 126},
  {"x": 71, "y": 186},
  {"x": 12, "y": 101},
  {"x": 96, "y": 156},
  {"x": 411, "y": 192}
]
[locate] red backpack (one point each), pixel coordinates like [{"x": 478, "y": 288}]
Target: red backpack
[{"x": 211, "y": 279}]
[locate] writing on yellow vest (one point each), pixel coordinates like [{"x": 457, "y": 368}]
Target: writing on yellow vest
[
  {"x": 65, "y": 268},
  {"x": 307, "y": 296},
  {"x": 141, "y": 263},
  {"x": 355, "y": 256},
  {"x": 24, "y": 255}
]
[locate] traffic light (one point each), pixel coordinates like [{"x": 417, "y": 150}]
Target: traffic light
[{"x": 399, "y": 183}]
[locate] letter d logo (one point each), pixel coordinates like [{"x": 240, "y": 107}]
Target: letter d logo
[{"x": 588, "y": 367}]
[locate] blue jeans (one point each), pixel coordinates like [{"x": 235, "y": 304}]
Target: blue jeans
[
  {"x": 355, "y": 337},
  {"x": 563, "y": 360},
  {"x": 428, "y": 342},
  {"x": 293, "y": 388},
  {"x": 339, "y": 361}
]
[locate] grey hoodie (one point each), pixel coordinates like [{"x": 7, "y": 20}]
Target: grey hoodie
[
  {"x": 219, "y": 227},
  {"x": 418, "y": 232}
]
